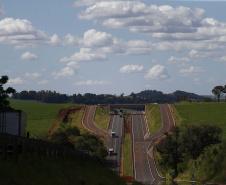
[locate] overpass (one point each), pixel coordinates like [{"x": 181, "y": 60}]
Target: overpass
[{"x": 112, "y": 107}]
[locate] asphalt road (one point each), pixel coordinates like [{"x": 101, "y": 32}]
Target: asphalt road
[
  {"x": 141, "y": 165},
  {"x": 143, "y": 161},
  {"x": 89, "y": 124},
  {"x": 116, "y": 142}
]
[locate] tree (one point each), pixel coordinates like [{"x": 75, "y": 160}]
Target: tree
[
  {"x": 218, "y": 91},
  {"x": 4, "y": 94},
  {"x": 195, "y": 138},
  {"x": 171, "y": 149}
]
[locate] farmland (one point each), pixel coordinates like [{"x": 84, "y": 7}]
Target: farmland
[
  {"x": 201, "y": 114},
  {"x": 40, "y": 116}
]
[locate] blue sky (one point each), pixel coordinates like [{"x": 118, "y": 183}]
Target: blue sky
[{"x": 113, "y": 47}]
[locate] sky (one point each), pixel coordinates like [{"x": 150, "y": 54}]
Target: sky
[{"x": 113, "y": 46}]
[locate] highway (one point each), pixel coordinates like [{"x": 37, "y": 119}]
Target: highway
[
  {"x": 141, "y": 165},
  {"x": 117, "y": 126},
  {"x": 143, "y": 161},
  {"x": 89, "y": 124}
]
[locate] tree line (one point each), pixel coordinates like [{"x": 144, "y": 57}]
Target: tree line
[{"x": 87, "y": 98}]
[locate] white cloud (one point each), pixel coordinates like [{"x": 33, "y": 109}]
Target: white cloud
[
  {"x": 20, "y": 32},
  {"x": 66, "y": 72},
  {"x": 33, "y": 75},
  {"x": 191, "y": 71},
  {"x": 92, "y": 82},
  {"x": 85, "y": 54},
  {"x": 43, "y": 82},
  {"x": 157, "y": 72},
  {"x": 131, "y": 69},
  {"x": 223, "y": 59},
  {"x": 176, "y": 60},
  {"x": 91, "y": 2},
  {"x": 28, "y": 56},
  {"x": 2, "y": 12},
  {"x": 93, "y": 38},
  {"x": 16, "y": 81},
  {"x": 202, "y": 54}
]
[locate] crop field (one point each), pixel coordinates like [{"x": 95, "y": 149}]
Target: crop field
[
  {"x": 154, "y": 118},
  {"x": 202, "y": 114},
  {"x": 40, "y": 116}
]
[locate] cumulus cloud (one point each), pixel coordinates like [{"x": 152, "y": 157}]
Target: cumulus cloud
[
  {"x": 71, "y": 69},
  {"x": 131, "y": 69},
  {"x": 79, "y": 3},
  {"x": 22, "y": 34},
  {"x": 92, "y": 82},
  {"x": 202, "y": 54},
  {"x": 176, "y": 60},
  {"x": 28, "y": 56},
  {"x": 85, "y": 54},
  {"x": 191, "y": 71},
  {"x": 33, "y": 76},
  {"x": 197, "y": 81},
  {"x": 16, "y": 81},
  {"x": 157, "y": 72}
]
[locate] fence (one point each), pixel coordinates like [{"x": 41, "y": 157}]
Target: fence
[{"x": 16, "y": 147}]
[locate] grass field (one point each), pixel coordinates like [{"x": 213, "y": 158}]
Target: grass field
[
  {"x": 40, "y": 116},
  {"x": 102, "y": 117},
  {"x": 154, "y": 118},
  {"x": 202, "y": 114}
]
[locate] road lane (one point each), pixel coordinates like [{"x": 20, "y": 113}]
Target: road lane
[
  {"x": 142, "y": 170},
  {"x": 115, "y": 143}
]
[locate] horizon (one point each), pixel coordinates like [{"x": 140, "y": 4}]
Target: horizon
[{"x": 113, "y": 47}]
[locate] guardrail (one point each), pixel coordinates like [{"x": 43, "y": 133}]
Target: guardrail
[{"x": 14, "y": 147}]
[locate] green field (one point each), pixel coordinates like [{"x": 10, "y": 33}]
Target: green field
[
  {"x": 127, "y": 156},
  {"x": 102, "y": 117},
  {"x": 40, "y": 116},
  {"x": 154, "y": 118},
  {"x": 201, "y": 114}
]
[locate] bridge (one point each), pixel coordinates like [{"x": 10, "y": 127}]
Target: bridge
[{"x": 112, "y": 107}]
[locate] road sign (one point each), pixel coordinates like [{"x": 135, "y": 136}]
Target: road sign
[{"x": 192, "y": 175}]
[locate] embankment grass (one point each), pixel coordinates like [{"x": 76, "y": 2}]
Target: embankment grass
[
  {"x": 154, "y": 118},
  {"x": 39, "y": 116},
  {"x": 102, "y": 117},
  {"x": 47, "y": 171},
  {"x": 127, "y": 156}
]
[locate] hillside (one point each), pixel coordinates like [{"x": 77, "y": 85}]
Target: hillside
[{"x": 159, "y": 96}]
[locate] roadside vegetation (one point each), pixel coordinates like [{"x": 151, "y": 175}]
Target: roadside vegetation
[
  {"x": 197, "y": 145},
  {"x": 154, "y": 118},
  {"x": 102, "y": 117},
  {"x": 48, "y": 171}
]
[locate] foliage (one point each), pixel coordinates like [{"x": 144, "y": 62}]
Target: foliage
[
  {"x": 218, "y": 91},
  {"x": 4, "y": 94},
  {"x": 196, "y": 138},
  {"x": 171, "y": 149},
  {"x": 48, "y": 172}
]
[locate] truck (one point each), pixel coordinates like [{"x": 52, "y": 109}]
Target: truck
[
  {"x": 111, "y": 151},
  {"x": 113, "y": 135},
  {"x": 13, "y": 122}
]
